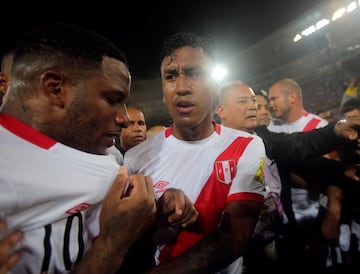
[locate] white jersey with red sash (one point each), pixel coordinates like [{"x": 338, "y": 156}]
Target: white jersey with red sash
[
  {"x": 226, "y": 166},
  {"x": 303, "y": 206},
  {"x": 306, "y": 122},
  {"x": 52, "y": 193}
]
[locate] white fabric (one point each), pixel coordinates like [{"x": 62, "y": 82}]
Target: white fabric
[
  {"x": 303, "y": 207},
  {"x": 298, "y": 125},
  {"x": 174, "y": 163},
  {"x": 44, "y": 189}
]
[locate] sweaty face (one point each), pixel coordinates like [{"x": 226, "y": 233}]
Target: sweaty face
[
  {"x": 238, "y": 109},
  {"x": 188, "y": 89},
  {"x": 135, "y": 133},
  {"x": 263, "y": 111},
  {"x": 96, "y": 112},
  {"x": 279, "y": 102}
]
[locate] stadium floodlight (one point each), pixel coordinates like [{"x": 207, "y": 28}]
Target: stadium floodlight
[
  {"x": 297, "y": 37},
  {"x": 322, "y": 23},
  {"x": 308, "y": 30},
  {"x": 219, "y": 73},
  {"x": 351, "y": 6},
  {"x": 337, "y": 14}
]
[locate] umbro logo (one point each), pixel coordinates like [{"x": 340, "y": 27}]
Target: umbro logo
[{"x": 77, "y": 208}]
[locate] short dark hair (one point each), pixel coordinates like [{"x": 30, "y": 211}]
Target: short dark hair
[
  {"x": 67, "y": 45},
  {"x": 182, "y": 39},
  {"x": 351, "y": 104},
  {"x": 262, "y": 93}
]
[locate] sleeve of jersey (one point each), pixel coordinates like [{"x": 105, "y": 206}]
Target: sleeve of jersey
[{"x": 248, "y": 183}]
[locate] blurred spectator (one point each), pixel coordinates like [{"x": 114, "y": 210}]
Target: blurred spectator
[
  {"x": 6, "y": 63},
  {"x": 351, "y": 90},
  {"x": 286, "y": 102},
  {"x": 263, "y": 114},
  {"x": 134, "y": 133},
  {"x": 328, "y": 115}
]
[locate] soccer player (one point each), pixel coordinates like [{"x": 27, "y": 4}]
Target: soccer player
[
  {"x": 64, "y": 107},
  {"x": 219, "y": 169}
]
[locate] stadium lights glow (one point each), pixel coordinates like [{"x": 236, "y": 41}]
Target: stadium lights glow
[
  {"x": 351, "y": 6},
  {"x": 309, "y": 30},
  {"x": 297, "y": 37},
  {"x": 338, "y": 14},
  {"x": 323, "y": 22},
  {"x": 219, "y": 73}
]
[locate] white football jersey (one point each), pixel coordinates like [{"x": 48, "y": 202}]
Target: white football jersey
[
  {"x": 226, "y": 166},
  {"x": 306, "y": 122},
  {"x": 303, "y": 207},
  {"x": 52, "y": 193}
]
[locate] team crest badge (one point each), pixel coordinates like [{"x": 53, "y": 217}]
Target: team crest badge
[
  {"x": 259, "y": 175},
  {"x": 225, "y": 171}
]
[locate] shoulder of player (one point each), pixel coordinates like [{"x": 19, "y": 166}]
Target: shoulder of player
[{"x": 235, "y": 133}]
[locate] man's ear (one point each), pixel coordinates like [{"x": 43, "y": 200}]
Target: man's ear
[
  {"x": 53, "y": 84},
  {"x": 292, "y": 97},
  {"x": 219, "y": 110}
]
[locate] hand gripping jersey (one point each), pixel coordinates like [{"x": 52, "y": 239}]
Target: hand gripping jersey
[
  {"x": 52, "y": 193},
  {"x": 226, "y": 166}
]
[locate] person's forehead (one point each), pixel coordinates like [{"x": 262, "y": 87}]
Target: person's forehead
[
  {"x": 186, "y": 55},
  {"x": 261, "y": 99},
  {"x": 135, "y": 114},
  {"x": 241, "y": 90},
  {"x": 113, "y": 67},
  {"x": 275, "y": 88},
  {"x": 352, "y": 113}
]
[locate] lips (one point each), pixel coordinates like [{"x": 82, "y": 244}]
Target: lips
[
  {"x": 251, "y": 117},
  {"x": 184, "y": 106},
  {"x": 139, "y": 138}
]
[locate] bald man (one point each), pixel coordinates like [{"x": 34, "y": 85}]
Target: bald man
[{"x": 135, "y": 133}]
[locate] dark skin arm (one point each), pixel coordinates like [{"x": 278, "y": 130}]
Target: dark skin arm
[
  {"x": 177, "y": 208},
  {"x": 9, "y": 257},
  {"x": 221, "y": 247},
  {"x": 122, "y": 221}
]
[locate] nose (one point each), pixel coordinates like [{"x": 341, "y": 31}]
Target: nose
[
  {"x": 122, "y": 117},
  {"x": 183, "y": 85},
  {"x": 137, "y": 126},
  {"x": 253, "y": 104},
  {"x": 271, "y": 102}
]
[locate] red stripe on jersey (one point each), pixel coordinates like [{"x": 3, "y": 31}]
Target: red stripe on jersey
[
  {"x": 246, "y": 196},
  {"x": 312, "y": 124},
  {"x": 168, "y": 131},
  {"x": 26, "y": 132},
  {"x": 211, "y": 202}
]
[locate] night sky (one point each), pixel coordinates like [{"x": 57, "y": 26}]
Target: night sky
[{"x": 139, "y": 27}]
